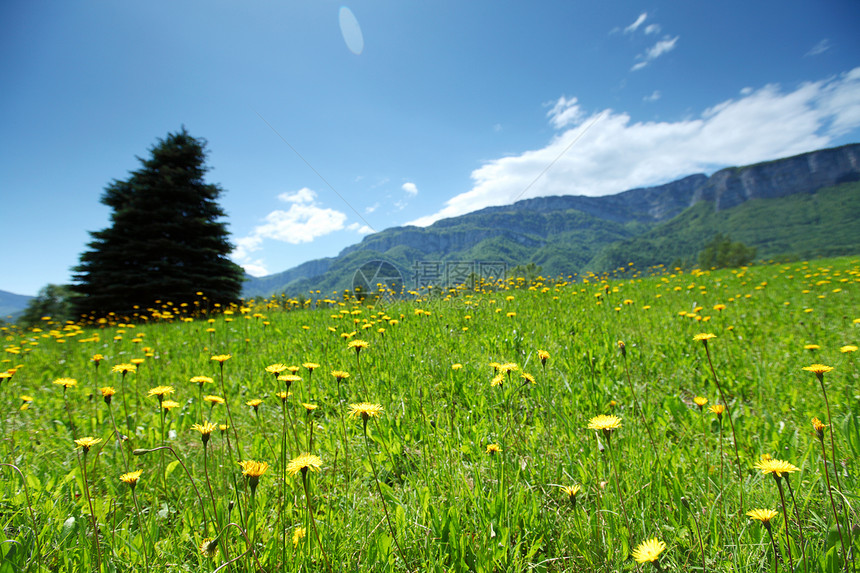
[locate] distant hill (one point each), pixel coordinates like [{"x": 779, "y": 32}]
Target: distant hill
[
  {"x": 11, "y": 305},
  {"x": 807, "y": 205}
]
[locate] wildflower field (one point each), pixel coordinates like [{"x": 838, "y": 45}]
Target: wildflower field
[{"x": 697, "y": 421}]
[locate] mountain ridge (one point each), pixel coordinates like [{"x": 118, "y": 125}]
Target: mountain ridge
[{"x": 569, "y": 230}]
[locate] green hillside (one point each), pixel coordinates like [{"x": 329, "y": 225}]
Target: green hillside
[{"x": 803, "y": 226}]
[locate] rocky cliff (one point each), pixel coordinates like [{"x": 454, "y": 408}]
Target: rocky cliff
[{"x": 806, "y": 173}]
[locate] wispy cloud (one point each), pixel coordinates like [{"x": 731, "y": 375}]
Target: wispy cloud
[
  {"x": 564, "y": 112},
  {"x": 819, "y": 48},
  {"x": 635, "y": 25},
  {"x": 619, "y": 154},
  {"x": 655, "y": 95},
  {"x": 410, "y": 188},
  {"x": 304, "y": 221},
  {"x": 665, "y": 45}
]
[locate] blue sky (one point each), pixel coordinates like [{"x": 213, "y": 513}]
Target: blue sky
[{"x": 326, "y": 121}]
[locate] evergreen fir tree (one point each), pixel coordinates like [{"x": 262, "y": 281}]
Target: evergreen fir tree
[{"x": 166, "y": 241}]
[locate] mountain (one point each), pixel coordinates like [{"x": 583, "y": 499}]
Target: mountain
[
  {"x": 784, "y": 207},
  {"x": 12, "y": 304}
]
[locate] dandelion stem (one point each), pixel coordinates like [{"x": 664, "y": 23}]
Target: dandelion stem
[
  {"x": 785, "y": 515},
  {"x": 118, "y": 439},
  {"x": 775, "y": 551},
  {"x": 382, "y": 497},
  {"x": 731, "y": 425},
  {"x": 836, "y": 474},
  {"x": 96, "y": 545},
  {"x": 311, "y": 517},
  {"x": 639, "y": 406},
  {"x": 618, "y": 484},
  {"x": 832, "y": 502},
  {"x": 142, "y": 527},
  {"x": 224, "y": 545},
  {"x": 799, "y": 524}
]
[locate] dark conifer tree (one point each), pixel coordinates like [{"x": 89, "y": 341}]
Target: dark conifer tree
[{"x": 166, "y": 240}]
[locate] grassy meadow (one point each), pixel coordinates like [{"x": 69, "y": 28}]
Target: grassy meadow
[{"x": 553, "y": 426}]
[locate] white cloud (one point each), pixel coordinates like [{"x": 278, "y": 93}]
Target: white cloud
[
  {"x": 652, "y": 29},
  {"x": 655, "y": 95},
  {"x": 616, "y": 154},
  {"x": 255, "y": 268},
  {"x": 304, "y": 221},
  {"x": 410, "y": 188},
  {"x": 665, "y": 45},
  {"x": 564, "y": 112},
  {"x": 371, "y": 208},
  {"x": 360, "y": 229},
  {"x": 819, "y": 48},
  {"x": 635, "y": 25}
]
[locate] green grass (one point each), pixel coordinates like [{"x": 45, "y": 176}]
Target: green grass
[{"x": 451, "y": 505}]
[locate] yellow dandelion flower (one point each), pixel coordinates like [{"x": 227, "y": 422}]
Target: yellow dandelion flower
[
  {"x": 169, "y": 405},
  {"x": 87, "y": 443},
  {"x": 309, "y": 407},
  {"x": 776, "y": 467},
  {"x": 818, "y": 369},
  {"x": 124, "y": 368},
  {"x": 213, "y": 399},
  {"x": 97, "y": 358},
  {"x": 358, "y": 345},
  {"x": 811, "y": 347},
  {"x": 253, "y": 469},
  {"x": 255, "y": 403},
  {"x": 303, "y": 463},
  {"x": 222, "y": 358},
  {"x": 571, "y": 491},
  {"x": 543, "y": 355},
  {"x": 700, "y": 401},
  {"x": 205, "y": 429},
  {"x": 107, "y": 393},
  {"x": 340, "y": 375},
  {"x": 299, "y": 534},
  {"x": 493, "y": 449},
  {"x": 528, "y": 378},
  {"x": 276, "y": 368},
  {"x": 763, "y": 515},
  {"x": 288, "y": 379},
  {"x": 718, "y": 409},
  {"x": 131, "y": 478},
  {"x": 848, "y": 348},
  {"x": 508, "y": 367},
  {"x": 208, "y": 547},
  {"x": 66, "y": 383},
  {"x": 704, "y": 337},
  {"x": 819, "y": 427},
  {"x": 365, "y": 410},
  {"x": 605, "y": 423},
  {"x": 201, "y": 380},
  {"x": 648, "y": 551},
  {"x": 456, "y": 366},
  {"x": 161, "y": 391}
]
